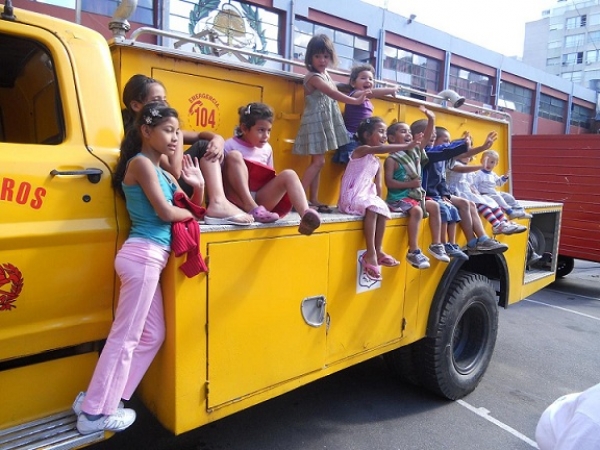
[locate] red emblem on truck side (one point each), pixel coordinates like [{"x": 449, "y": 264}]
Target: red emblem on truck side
[{"x": 10, "y": 278}]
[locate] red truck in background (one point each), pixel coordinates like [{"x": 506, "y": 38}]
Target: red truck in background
[{"x": 562, "y": 168}]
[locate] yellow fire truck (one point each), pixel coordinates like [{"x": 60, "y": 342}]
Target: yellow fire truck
[{"x": 276, "y": 309}]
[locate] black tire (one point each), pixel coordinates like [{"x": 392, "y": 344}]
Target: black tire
[
  {"x": 564, "y": 266},
  {"x": 402, "y": 364},
  {"x": 453, "y": 361}
]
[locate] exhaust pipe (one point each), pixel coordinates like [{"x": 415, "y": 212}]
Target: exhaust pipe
[
  {"x": 119, "y": 24},
  {"x": 451, "y": 96}
]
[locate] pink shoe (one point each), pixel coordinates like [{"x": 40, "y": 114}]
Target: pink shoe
[{"x": 262, "y": 215}]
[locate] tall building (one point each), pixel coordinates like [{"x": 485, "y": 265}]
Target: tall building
[
  {"x": 403, "y": 51},
  {"x": 566, "y": 42}
]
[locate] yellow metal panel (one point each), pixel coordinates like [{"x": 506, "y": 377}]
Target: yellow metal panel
[
  {"x": 42, "y": 389},
  {"x": 363, "y": 321},
  {"x": 257, "y": 336}
]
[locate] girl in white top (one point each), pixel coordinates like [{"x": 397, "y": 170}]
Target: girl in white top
[{"x": 251, "y": 143}]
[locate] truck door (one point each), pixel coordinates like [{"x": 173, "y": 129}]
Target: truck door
[{"x": 58, "y": 227}]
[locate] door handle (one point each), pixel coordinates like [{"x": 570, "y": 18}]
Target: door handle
[{"x": 94, "y": 175}]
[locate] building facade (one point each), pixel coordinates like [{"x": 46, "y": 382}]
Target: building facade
[
  {"x": 566, "y": 42},
  {"x": 403, "y": 51}
]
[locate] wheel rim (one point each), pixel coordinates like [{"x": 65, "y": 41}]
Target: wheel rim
[{"x": 469, "y": 338}]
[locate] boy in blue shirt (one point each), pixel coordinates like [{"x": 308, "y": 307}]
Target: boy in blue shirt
[{"x": 455, "y": 209}]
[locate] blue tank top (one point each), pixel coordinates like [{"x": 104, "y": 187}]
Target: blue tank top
[{"x": 145, "y": 223}]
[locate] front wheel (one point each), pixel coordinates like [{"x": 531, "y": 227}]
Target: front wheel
[
  {"x": 454, "y": 359},
  {"x": 564, "y": 266}
]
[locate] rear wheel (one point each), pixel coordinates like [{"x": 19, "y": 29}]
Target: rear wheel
[
  {"x": 452, "y": 362},
  {"x": 564, "y": 266},
  {"x": 402, "y": 364}
]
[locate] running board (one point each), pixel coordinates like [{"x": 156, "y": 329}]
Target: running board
[{"x": 55, "y": 432}]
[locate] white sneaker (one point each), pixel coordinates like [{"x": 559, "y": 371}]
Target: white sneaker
[
  {"x": 418, "y": 259},
  {"x": 438, "y": 252},
  {"x": 76, "y": 407},
  {"x": 519, "y": 214},
  {"x": 118, "y": 421}
]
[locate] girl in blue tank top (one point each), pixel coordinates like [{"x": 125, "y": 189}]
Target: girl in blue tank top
[{"x": 139, "y": 327}]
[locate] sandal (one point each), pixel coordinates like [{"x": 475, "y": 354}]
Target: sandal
[
  {"x": 321, "y": 208},
  {"x": 371, "y": 271},
  {"x": 309, "y": 223},
  {"x": 387, "y": 261},
  {"x": 262, "y": 215}
]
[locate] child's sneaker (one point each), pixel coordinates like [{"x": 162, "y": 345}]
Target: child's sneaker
[
  {"x": 519, "y": 214},
  {"x": 118, "y": 421},
  {"x": 487, "y": 245},
  {"x": 508, "y": 228},
  {"x": 76, "y": 407},
  {"x": 454, "y": 251},
  {"x": 418, "y": 259},
  {"x": 439, "y": 252}
]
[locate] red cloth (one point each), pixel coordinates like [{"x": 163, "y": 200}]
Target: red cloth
[
  {"x": 185, "y": 237},
  {"x": 260, "y": 174}
]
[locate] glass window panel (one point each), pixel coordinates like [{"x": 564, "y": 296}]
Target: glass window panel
[
  {"x": 362, "y": 44},
  {"x": 320, "y": 29},
  {"x": 344, "y": 38}
]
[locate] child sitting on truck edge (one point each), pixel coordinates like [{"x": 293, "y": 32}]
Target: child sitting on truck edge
[
  {"x": 486, "y": 182},
  {"x": 361, "y": 80},
  {"x": 138, "y": 329},
  {"x": 360, "y": 195},
  {"x": 405, "y": 193},
  {"x": 459, "y": 179},
  {"x": 435, "y": 186},
  {"x": 207, "y": 147},
  {"x": 249, "y": 152}
]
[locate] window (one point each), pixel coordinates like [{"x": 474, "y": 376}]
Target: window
[
  {"x": 553, "y": 61},
  {"x": 594, "y": 37},
  {"x": 581, "y": 117},
  {"x": 233, "y": 23},
  {"x": 591, "y": 56},
  {"x": 350, "y": 49},
  {"x": 30, "y": 107},
  {"x": 471, "y": 85},
  {"x": 520, "y": 96},
  {"x": 576, "y": 22},
  {"x": 575, "y": 40},
  {"x": 413, "y": 70},
  {"x": 552, "y": 108},
  {"x": 575, "y": 77},
  {"x": 572, "y": 58},
  {"x": 554, "y": 44},
  {"x": 143, "y": 13},
  {"x": 593, "y": 19}
]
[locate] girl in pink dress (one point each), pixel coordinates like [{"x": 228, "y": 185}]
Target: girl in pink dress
[{"x": 360, "y": 193}]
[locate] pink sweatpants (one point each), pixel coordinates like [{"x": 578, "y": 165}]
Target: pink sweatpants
[{"x": 137, "y": 332}]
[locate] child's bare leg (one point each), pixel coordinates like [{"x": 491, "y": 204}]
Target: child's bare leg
[
  {"x": 236, "y": 177},
  {"x": 218, "y": 205},
  {"x": 415, "y": 215},
  {"x": 311, "y": 178},
  {"x": 477, "y": 226},
  {"x": 379, "y": 231},
  {"x": 286, "y": 181},
  {"x": 452, "y": 232},
  {"x": 466, "y": 218},
  {"x": 369, "y": 230},
  {"x": 435, "y": 221},
  {"x": 444, "y": 233}
]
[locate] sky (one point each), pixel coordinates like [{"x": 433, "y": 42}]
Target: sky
[{"x": 495, "y": 25}]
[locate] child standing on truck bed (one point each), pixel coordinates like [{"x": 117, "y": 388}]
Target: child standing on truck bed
[
  {"x": 405, "y": 193},
  {"x": 322, "y": 127},
  {"x": 486, "y": 182},
  {"x": 138, "y": 329},
  {"x": 361, "y": 80},
  {"x": 249, "y": 165},
  {"x": 207, "y": 147},
  {"x": 359, "y": 195}
]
